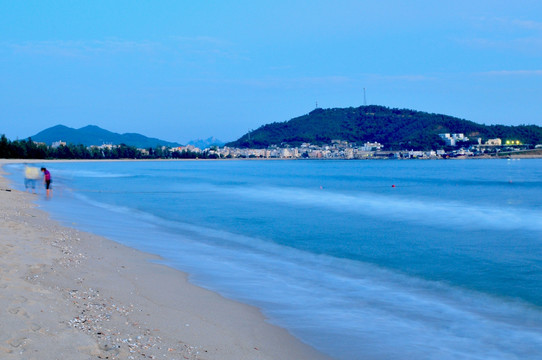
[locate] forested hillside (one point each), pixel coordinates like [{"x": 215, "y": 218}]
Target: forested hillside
[
  {"x": 94, "y": 135},
  {"x": 394, "y": 128},
  {"x": 28, "y": 149}
]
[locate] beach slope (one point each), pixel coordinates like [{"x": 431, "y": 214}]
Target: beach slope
[{"x": 67, "y": 294}]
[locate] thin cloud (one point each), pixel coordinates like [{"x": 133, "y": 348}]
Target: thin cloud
[
  {"x": 200, "y": 40},
  {"x": 321, "y": 80},
  {"x": 405, "y": 77},
  {"x": 520, "y": 23},
  {"x": 532, "y": 45},
  {"x": 513, "y": 73},
  {"x": 332, "y": 80},
  {"x": 505, "y": 34},
  {"x": 285, "y": 82},
  {"x": 207, "y": 47},
  {"x": 505, "y": 24},
  {"x": 80, "y": 48}
]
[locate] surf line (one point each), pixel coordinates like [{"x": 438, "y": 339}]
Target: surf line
[{"x": 137, "y": 192}]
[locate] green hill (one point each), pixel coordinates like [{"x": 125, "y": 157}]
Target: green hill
[
  {"x": 394, "y": 128},
  {"x": 94, "y": 135}
]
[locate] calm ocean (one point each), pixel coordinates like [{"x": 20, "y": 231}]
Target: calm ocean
[{"x": 360, "y": 259}]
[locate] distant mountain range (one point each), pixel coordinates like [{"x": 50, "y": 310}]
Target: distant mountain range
[
  {"x": 94, "y": 135},
  {"x": 394, "y": 128},
  {"x": 207, "y": 143}
]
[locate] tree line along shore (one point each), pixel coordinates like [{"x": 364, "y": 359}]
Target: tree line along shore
[{"x": 28, "y": 149}]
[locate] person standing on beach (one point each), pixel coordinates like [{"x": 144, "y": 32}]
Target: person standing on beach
[
  {"x": 46, "y": 179},
  {"x": 31, "y": 174}
]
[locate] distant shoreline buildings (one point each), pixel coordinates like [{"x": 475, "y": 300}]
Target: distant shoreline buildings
[
  {"x": 340, "y": 149},
  {"x": 457, "y": 146}
]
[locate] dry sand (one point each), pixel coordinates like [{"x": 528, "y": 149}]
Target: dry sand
[{"x": 67, "y": 294}]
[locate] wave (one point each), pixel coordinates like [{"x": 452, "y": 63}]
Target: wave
[
  {"x": 401, "y": 208},
  {"x": 72, "y": 173}
]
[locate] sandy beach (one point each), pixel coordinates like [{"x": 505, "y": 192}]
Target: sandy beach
[{"x": 67, "y": 294}]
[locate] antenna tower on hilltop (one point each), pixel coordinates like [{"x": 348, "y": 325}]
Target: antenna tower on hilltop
[{"x": 364, "y": 98}]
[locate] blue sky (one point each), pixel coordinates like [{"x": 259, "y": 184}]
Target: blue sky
[{"x": 183, "y": 70}]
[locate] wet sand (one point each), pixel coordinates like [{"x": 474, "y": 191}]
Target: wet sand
[{"x": 67, "y": 294}]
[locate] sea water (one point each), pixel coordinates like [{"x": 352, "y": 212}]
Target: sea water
[{"x": 360, "y": 259}]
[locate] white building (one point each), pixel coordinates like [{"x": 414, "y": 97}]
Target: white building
[
  {"x": 58, "y": 143},
  {"x": 494, "y": 142},
  {"x": 371, "y": 146},
  {"x": 452, "y": 139}
]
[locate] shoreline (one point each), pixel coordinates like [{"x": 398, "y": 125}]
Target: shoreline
[
  {"x": 72, "y": 294},
  {"x": 516, "y": 155}
]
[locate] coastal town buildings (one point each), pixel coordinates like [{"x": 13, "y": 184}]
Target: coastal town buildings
[
  {"x": 340, "y": 149},
  {"x": 337, "y": 149}
]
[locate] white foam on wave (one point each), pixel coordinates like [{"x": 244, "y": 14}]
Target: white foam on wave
[
  {"x": 402, "y": 208},
  {"x": 75, "y": 173}
]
